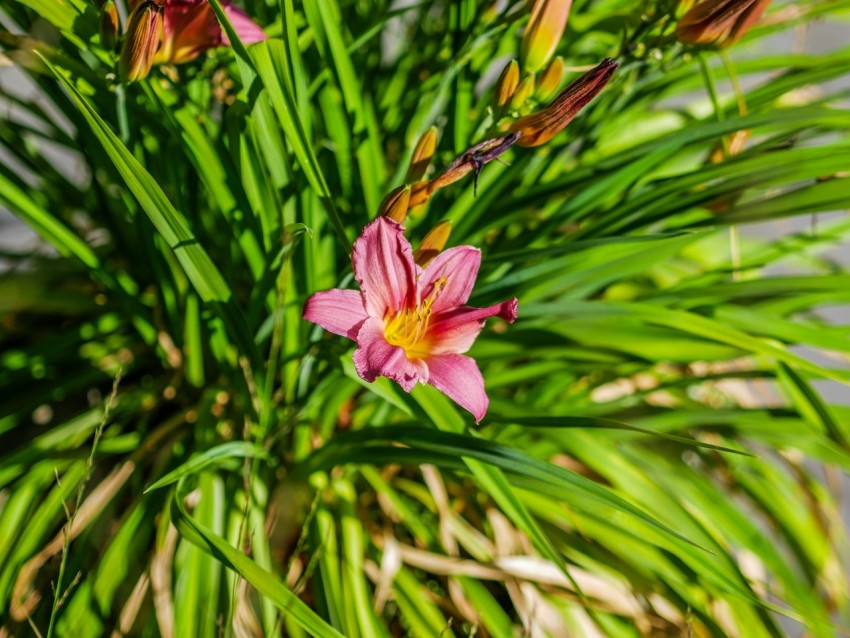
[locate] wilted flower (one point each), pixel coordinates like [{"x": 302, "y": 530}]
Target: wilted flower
[
  {"x": 189, "y": 27},
  {"x": 410, "y": 323},
  {"x": 506, "y": 84},
  {"x": 471, "y": 161},
  {"x": 144, "y": 33},
  {"x": 538, "y": 128},
  {"x": 719, "y": 23},
  {"x": 543, "y": 33},
  {"x": 422, "y": 154}
]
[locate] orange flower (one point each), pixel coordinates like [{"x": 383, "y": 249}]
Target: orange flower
[{"x": 189, "y": 27}]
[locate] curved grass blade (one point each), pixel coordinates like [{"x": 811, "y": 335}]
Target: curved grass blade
[
  {"x": 212, "y": 457},
  {"x": 265, "y": 582},
  {"x": 601, "y": 423},
  {"x": 199, "y": 267},
  {"x": 344, "y": 449}
]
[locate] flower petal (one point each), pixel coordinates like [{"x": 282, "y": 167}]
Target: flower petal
[
  {"x": 247, "y": 30},
  {"x": 455, "y": 331},
  {"x": 377, "y": 358},
  {"x": 189, "y": 28},
  {"x": 458, "y": 377},
  {"x": 450, "y": 277},
  {"x": 383, "y": 265},
  {"x": 337, "y": 311}
]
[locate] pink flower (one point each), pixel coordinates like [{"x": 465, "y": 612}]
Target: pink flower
[
  {"x": 190, "y": 28},
  {"x": 410, "y": 323}
]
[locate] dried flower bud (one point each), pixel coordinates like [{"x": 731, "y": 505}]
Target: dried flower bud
[
  {"x": 422, "y": 154},
  {"x": 473, "y": 160},
  {"x": 432, "y": 244},
  {"x": 143, "y": 38},
  {"x": 719, "y": 23},
  {"x": 543, "y": 33},
  {"x": 540, "y": 127},
  {"x": 550, "y": 80},
  {"x": 524, "y": 90},
  {"x": 506, "y": 84},
  {"x": 395, "y": 204},
  {"x": 109, "y": 25}
]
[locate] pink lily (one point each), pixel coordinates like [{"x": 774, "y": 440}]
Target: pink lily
[
  {"x": 411, "y": 324},
  {"x": 190, "y": 28}
]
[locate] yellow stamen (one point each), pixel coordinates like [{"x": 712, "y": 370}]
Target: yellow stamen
[{"x": 409, "y": 328}]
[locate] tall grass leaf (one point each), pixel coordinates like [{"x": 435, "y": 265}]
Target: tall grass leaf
[
  {"x": 265, "y": 582},
  {"x": 343, "y": 449},
  {"x": 212, "y": 457},
  {"x": 603, "y": 423},
  {"x": 687, "y": 322},
  {"x": 268, "y": 59},
  {"x": 171, "y": 225}
]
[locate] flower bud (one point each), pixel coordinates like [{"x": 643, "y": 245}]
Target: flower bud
[
  {"x": 420, "y": 193},
  {"x": 733, "y": 145},
  {"x": 395, "y": 204},
  {"x": 143, "y": 37},
  {"x": 422, "y": 155},
  {"x": 108, "y": 25},
  {"x": 540, "y": 127},
  {"x": 543, "y": 33},
  {"x": 523, "y": 91},
  {"x": 432, "y": 244},
  {"x": 506, "y": 84},
  {"x": 490, "y": 13},
  {"x": 719, "y": 23},
  {"x": 550, "y": 80}
]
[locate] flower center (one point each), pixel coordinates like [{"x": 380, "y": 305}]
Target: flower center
[{"x": 409, "y": 328}]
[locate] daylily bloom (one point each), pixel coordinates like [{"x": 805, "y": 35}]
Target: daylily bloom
[
  {"x": 189, "y": 27},
  {"x": 411, "y": 324},
  {"x": 719, "y": 23}
]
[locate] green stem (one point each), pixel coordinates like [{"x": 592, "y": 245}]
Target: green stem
[
  {"x": 736, "y": 84},
  {"x": 69, "y": 526},
  {"x": 734, "y": 239},
  {"x": 711, "y": 87},
  {"x": 121, "y": 108}
]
